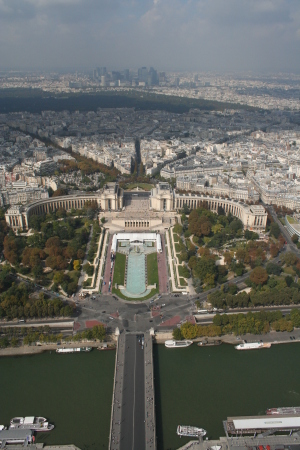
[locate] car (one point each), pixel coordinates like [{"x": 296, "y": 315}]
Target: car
[
  {"x": 291, "y": 338},
  {"x": 111, "y": 318},
  {"x": 163, "y": 305},
  {"x": 151, "y": 301},
  {"x": 158, "y": 297}
]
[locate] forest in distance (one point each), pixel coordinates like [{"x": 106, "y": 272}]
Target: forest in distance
[{"x": 36, "y": 101}]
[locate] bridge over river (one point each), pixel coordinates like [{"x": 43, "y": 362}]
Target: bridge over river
[{"x": 133, "y": 406}]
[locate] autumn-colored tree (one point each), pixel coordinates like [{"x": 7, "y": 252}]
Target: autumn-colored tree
[
  {"x": 259, "y": 275},
  {"x": 70, "y": 252},
  {"x": 192, "y": 262},
  {"x": 59, "y": 192},
  {"x": 228, "y": 258},
  {"x": 54, "y": 246},
  {"x": 274, "y": 250},
  {"x": 76, "y": 264},
  {"x": 203, "y": 251},
  {"x": 32, "y": 256},
  {"x": 80, "y": 253},
  {"x": 10, "y": 249},
  {"x": 240, "y": 255},
  {"x": 205, "y": 228},
  {"x": 281, "y": 242}
]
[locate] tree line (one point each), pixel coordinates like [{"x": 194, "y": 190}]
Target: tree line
[{"x": 254, "y": 323}]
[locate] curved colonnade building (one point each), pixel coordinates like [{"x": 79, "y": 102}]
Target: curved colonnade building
[{"x": 162, "y": 199}]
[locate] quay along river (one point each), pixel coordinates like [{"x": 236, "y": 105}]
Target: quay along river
[
  {"x": 202, "y": 386},
  {"x": 73, "y": 391}
]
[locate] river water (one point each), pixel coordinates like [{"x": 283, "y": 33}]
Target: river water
[
  {"x": 73, "y": 391},
  {"x": 194, "y": 386},
  {"x": 203, "y": 386}
]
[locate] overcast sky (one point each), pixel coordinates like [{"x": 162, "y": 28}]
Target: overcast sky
[{"x": 198, "y": 35}]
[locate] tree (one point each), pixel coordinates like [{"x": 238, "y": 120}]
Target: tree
[
  {"x": 58, "y": 277},
  {"x": 37, "y": 271},
  {"x": 290, "y": 259},
  {"x": 217, "y": 320},
  {"x": 205, "y": 266},
  {"x": 259, "y": 275},
  {"x": 275, "y": 230},
  {"x": 273, "y": 269},
  {"x": 192, "y": 262},
  {"x": 176, "y": 333},
  {"x": 294, "y": 238},
  {"x": 188, "y": 330},
  {"x": 228, "y": 258},
  {"x": 274, "y": 250},
  {"x": 76, "y": 264},
  {"x": 251, "y": 235},
  {"x": 240, "y": 255},
  {"x": 59, "y": 192}
]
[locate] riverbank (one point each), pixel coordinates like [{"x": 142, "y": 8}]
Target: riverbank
[
  {"x": 36, "y": 349},
  {"x": 274, "y": 337}
]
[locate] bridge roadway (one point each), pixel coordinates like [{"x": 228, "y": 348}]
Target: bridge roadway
[{"x": 133, "y": 416}]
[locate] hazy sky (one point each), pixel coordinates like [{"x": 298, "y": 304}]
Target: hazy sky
[{"x": 200, "y": 35}]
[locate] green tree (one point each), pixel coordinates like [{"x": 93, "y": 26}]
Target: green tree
[
  {"x": 176, "y": 333},
  {"x": 273, "y": 269},
  {"x": 275, "y": 230},
  {"x": 295, "y": 238},
  {"x": 188, "y": 330},
  {"x": 290, "y": 258}
]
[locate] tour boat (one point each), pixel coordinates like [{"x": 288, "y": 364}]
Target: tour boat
[
  {"x": 178, "y": 344},
  {"x": 252, "y": 345},
  {"x": 30, "y": 423},
  {"x": 183, "y": 430},
  {"x": 284, "y": 410},
  {"x": 73, "y": 349}
]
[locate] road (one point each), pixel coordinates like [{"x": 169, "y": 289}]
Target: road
[{"x": 133, "y": 401}]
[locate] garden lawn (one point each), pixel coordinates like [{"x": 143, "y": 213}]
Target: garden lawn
[
  {"x": 119, "y": 270},
  {"x": 184, "y": 272},
  {"x": 152, "y": 269}
]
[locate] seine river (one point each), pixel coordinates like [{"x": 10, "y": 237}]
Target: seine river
[
  {"x": 203, "y": 386},
  {"x": 194, "y": 386},
  {"x": 73, "y": 391}
]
